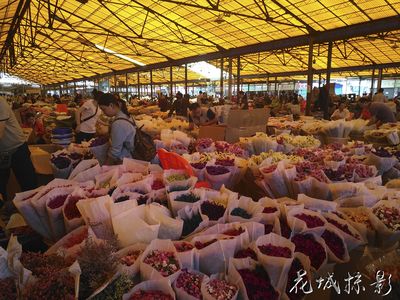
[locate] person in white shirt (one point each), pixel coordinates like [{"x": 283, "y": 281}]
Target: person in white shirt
[
  {"x": 341, "y": 113},
  {"x": 379, "y": 96},
  {"x": 86, "y": 119}
]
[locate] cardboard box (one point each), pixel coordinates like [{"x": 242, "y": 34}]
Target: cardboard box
[{"x": 215, "y": 132}]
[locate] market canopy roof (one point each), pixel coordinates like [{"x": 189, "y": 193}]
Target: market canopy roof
[{"x": 62, "y": 40}]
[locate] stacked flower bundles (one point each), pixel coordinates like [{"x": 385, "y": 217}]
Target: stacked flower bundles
[
  {"x": 71, "y": 215},
  {"x": 385, "y": 218},
  {"x": 275, "y": 253},
  {"x": 360, "y": 219},
  {"x": 193, "y": 220},
  {"x": 274, "y": 178},
  {"x": 160, "y": 261},
  {"x": 270, "y": 210},
  {"x": 304, "y": 220},
  {"x": 218, "y": 286}
]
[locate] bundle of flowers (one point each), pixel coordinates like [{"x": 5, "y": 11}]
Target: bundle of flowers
[
  {"x": 335, "y": 246},
  {"x": 219, "y": 289},
  {"x": 150, "y": 295},
  {"x": 205, "y": 145},
  {"x": 188, "y": 285},
  {"x": 8, "y": 289},
  {"x": 164, "y": 262},
  {"x": 214, "y": 211},
  {"x": 257, "y": 284},
  {"x": 116, "y": 289},
  {"x": 308, "y": 245},
  {"x": 248, "y": 252}
]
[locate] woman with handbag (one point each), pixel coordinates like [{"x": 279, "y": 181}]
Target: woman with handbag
[
  {"x": 86, "y": 119},
  {"x": 14, "y": 152}
]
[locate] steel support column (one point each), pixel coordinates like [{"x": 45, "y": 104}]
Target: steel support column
[
  {"x": 138, "y": 85},
  {"x": 170, "y": 82},
  {"x": 309, "y": 76},
  {"x": 230, "y": 79},
  {"x": 186, "y": 79},
  {"x": 151, "y": 84},
  {"x": 379, "y": 78},
  {"x": 75, "y": 88},
  {"x": 221, "y": 79},
  {"x": 359, "y": 85},
  {"x": 372, "y": 82},
  {"x": 126, "y": 87},
  {"x": 276, "y": 85},
  {"x": 329, "y": 64},
  {"x": 238, "y": 76},
  {"x": 267, "y": 83}
]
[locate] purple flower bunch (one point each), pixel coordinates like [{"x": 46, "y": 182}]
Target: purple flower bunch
[
  {"x": 190, "y": 283},
  {"x": 248, "y": 252},
  {"x": 258, "y": 285},
  {"x": 311, "y": 221},
  {"x": 61, "y": 162},
  {"x": 276, "y": 251},
  {"x": 164, "y": 262},
  {"x": 217, "y": 170},
  {"x": 334, "y": 243},
  {"x": 306, "y": 244},
  {"x": 212, "y": 210}
]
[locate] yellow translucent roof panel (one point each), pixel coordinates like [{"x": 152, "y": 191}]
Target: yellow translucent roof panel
[{"x": 76, "y": 39}]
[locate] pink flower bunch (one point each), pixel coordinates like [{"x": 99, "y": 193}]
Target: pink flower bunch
[
  {"x": 269, "y": 169},
  {"x": 130, "y": 258},
  {"x": 190, "y": 283},
  {"x": 225, "y": 162},
  {"x": 158, "y": 184},
  {"x": 306, "y": 244},
  {"x": 336, "y": 156},
  {"x": 199, "y": 165},
  {"x": 199, "y": 245},
  {"x": 164, "y": 262},
  {"x": 203, "y": 143},
  {"x": 248, "y": 252},
  {"x": 334, "y": 243},
  {"x": 311, "y": 221},
  {"x": 343, "y": 227},
  {"x": 276, "y": 251},
  {"x": 390, "y": 216},
  {"x": 258, "y": 285},
  {"x": 183, "y": 246},
  {"x": 150, "y": 295},
  {"x": 269, "y": 210},
  {"x": 234, "y": 231},
  {"x": 76, "y": 239},
  {"x": 221, "y": 289},
  {"x": 57, "y": 201},
  {"x": 70, "y": 209}
]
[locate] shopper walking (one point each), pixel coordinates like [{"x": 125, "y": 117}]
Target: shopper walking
[
  {"x": 14, "y": 152},
  {"x": 379, "y": 96}
]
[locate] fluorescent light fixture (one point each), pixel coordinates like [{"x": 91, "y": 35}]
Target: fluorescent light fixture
[
  {"x": 207, "y": 70},
  {"x": 119, "y": 55}
]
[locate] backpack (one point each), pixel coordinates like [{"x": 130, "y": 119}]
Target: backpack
[{"x": 145, "y": 149}]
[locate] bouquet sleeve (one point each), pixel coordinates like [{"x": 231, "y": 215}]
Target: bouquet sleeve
[
  {"x": 206, "y": 295},
  {"x": 180, "y": 292},
  {"x": 254, "y": 209},
  {"x": 189, "y": 258},
  {"x": 130, "y": 270},
  {"x": 161, "y": 285},
  {"x": 83, "y": 166},
  {"x": 170, "y": 228},
  {"x": 385, "y": 236}
]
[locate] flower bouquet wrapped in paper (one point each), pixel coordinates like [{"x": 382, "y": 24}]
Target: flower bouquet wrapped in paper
[
  {"x": 270, "y": 210},
  {"x": 300, "y": 263},
  {"x": 61, "y": 165},
  {"x": 71, "y": 244},
  {"x": 218, "y": 176},
  {"x": 360, "y": 219},
  {"x": 181, "y": 199},
  {"x": 178, "y": 180},
  {"x": 218, "y": 286},
  {"x": 214, "y": 251},
  {"x": 133, "y": 226},
  {"x": 193, "y": 220},
  {"x": 205, "y": 145},
  {"x": 187, "y": 254},
  {"x": 312, "y": 246},
  {"x": 385, "y": 218},
  {"x": 81, "y": 172},
  {"x": 316, "y": 204},
  {"x": 170, "y": 228},
  {"x": 159, "y": 261},
  {"x": 99, "y": 147},
  {"x": 382, "y": 159},
  {"x": 135, "y": 166},
  {"x": 274, "y": 178},
  {"x": 188, "y": 285},
  {"x": 55, "y": 201},
  {"x": 304, "y": 220},
  {"x": 254, "y": 229},
  {"x": 275, "y": 253},
  {"x": 129, "y": 259},
  {"x": 151, "y": 289},
  {"x": 251, "y": 278},
  {"x": 350, "y": 235},
  {"x": 95, "y": 213},
  {"x": 236, "y": 230},
  {"x": 245, "y": 210},
  {"x": 335, "y": 245}
]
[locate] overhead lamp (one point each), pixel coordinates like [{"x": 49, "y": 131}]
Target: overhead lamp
[
  {"x": 119, "y": 55},
  {"x": 83, "y": 1}
]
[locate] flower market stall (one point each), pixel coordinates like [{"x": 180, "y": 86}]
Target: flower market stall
[{"x": 138, "y": 230}]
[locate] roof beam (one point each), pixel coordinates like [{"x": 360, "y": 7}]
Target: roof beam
[{"x": 322, "y": 71}]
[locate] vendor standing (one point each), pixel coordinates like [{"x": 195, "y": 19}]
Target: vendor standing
[
  {"x": 380, "y": 113},
  {"x": 122, "y": 131},
  {"x": 341, "y": 113},
  {"x": 180, "y": 106},
  {"x": 14, "y": 152},
  {"x": 199, "y": 116},
  {"x": 37, "y": 126},
  {"x": 86, "y": 119}
]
